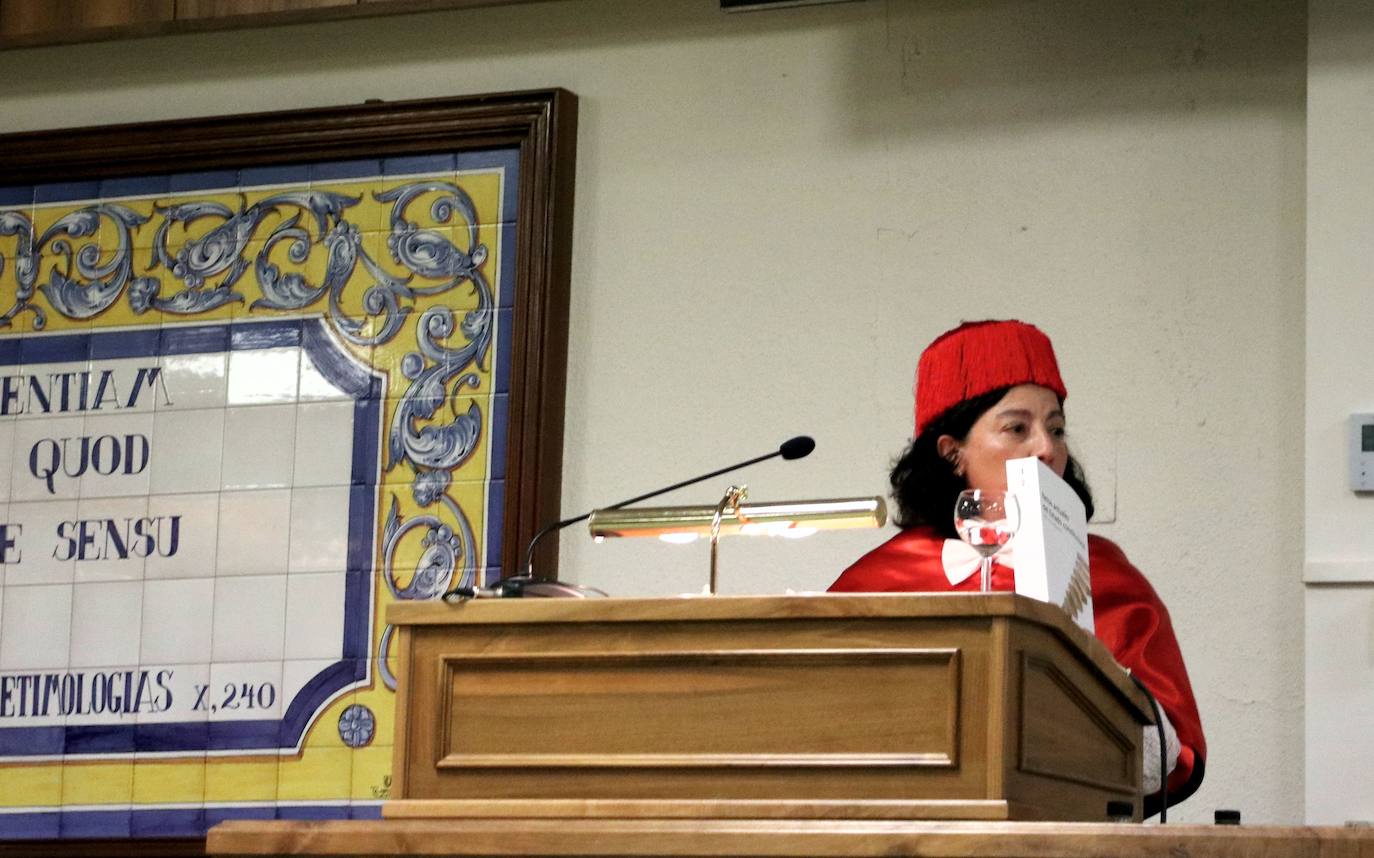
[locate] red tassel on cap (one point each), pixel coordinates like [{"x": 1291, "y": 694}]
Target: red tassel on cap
[{"x": 980, "y": 357}]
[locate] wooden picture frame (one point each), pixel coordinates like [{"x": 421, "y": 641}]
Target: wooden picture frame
[{"x": 90, "y": 186}]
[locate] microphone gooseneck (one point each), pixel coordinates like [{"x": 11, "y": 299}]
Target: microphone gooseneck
[{"x": 793, "y": 448}]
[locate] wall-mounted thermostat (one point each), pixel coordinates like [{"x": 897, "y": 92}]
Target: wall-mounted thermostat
[{"x": 1362, "y": 452}]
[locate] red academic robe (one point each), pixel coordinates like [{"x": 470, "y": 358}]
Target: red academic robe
[{"x": 1127, "y": 615}]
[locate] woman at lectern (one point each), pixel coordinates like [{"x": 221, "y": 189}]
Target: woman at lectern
[{"x": 987, "y": 392}]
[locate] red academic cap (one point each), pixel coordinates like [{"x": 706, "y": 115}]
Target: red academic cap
[{"x": 980, "y": 357}]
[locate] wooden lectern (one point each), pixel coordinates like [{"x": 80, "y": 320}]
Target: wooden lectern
[
  {"x": 838, "y": 726},
  {"x": 882, "y": 706}
]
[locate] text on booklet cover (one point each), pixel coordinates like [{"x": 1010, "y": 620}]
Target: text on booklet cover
[{"x": 1051, "y": 541}]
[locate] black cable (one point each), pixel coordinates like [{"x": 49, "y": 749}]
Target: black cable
[{"x": 1163, "y": 751}]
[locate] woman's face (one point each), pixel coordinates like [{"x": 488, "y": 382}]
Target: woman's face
[{"x": 1028, "y": 421}]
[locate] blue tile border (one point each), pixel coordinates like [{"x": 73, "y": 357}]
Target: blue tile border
[
  {"x": 291, "y": 174},
  {"x": 505, "y": 323},
  {"x": 131, "y": 342},
  {"x": 506, "y": 297},
  {"x": 496, "y": 500},
  {"x": 179, "y": 736},
  {"x": 16, "y": 196},
  {"x": 135, "y": 186},
  {"x": 210, "y": 180},
  {"x": 65, "y": 348},
  {"x": 188, "y": 822},
  {"x": 216, "y": 815},
  {"x": 344, "y": 171},
  {"x": 77, "y": 824},
  {"x": 275, "y": 334},
  {"x": 304, "y": 173},
  {"x": 500, "y": 415},
  {"x": 192, "y": 339},
  {"x": 411, "y": 164},
  {"x": 321, "y": 811},
  {"x": 101, "y": 739},
  {"x": 164, "y": 822},
  {"x": 503, "y": 159},
  {"x": 34, "y": 741},
  {"x": 62, "y": 192},
  {"x": 42, "y": 825}
]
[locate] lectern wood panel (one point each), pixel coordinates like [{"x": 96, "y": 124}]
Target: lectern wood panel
[
  {"x": 702, "y": 708},
  {"x": 1051, "y": 746},
  {"x": 740, "y": 709},
  {"x": 1056, "y": 704}
]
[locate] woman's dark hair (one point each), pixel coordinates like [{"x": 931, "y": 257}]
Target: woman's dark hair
[{"x": 924, "y": 484}]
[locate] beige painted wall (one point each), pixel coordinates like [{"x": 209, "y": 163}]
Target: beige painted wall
[
  {"x": 1339, "y": 628},
  {"x": 776, "y": 211}
]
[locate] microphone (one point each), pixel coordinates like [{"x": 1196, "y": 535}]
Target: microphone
[{"x": 793, "y": 448}]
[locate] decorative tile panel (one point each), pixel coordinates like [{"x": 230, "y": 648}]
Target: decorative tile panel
[{"x": 239, "y": 412}]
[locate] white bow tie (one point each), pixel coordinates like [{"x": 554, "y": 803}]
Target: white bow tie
[{"x": 961, "y": 559}]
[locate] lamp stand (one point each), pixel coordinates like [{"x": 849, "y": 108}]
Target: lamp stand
[{"x": 732, "y": 499}]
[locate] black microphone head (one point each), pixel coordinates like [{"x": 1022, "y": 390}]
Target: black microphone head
[{"x": 798, "y": 447}]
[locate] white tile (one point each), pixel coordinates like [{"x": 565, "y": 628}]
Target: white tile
[
  {"x": 11, "y": 543},
  {"x": 263, "y": 376},
  {"x": 259, "y": 447},
  {"x": 297, "y": 673},
  {"x": 47, "y": 542},
  {"x": 184, "y": 682},
  {"x": 110, "y": 539},
  {"x": 6, "y": 455},
  {"x": 314, "y": 387},
  {"x": 50, "y": 389},
  {"x": 194, "y": 381},
  {"x": 242, "y": 691},
  {"x": 47, "y": 458},
  {"x": 116, "y": 453},
  {"x": 107, "y": 620},
  {"x": 109, "y": 701},
  {"x": 254, "y": 532},
  {"x": 324, "y": 444},
  {"x": 250, "y": 618},
  {"x": 188, "y": 527},
  {"x": 35, "y": 628},
  {"x": 126, "y": 385},
  {"x": 315, "y": 615},
  {"x": 187, "y": 452},
  {"x": 319, "y": 529},
  {"x": 178, "y": 619}
]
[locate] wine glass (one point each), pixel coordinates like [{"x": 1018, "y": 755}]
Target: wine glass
[{"x": 986, "y": 521}]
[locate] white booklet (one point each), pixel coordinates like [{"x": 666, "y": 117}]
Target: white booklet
[{"x": 1051, "y": 544}]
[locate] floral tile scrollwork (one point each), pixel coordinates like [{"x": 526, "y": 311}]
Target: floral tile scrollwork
[
  {"x": 206, "y": 272},
  {"x": 298, "y": 252}
]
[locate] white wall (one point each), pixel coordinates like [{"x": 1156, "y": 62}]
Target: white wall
[
  {"x": 1340, "y": 311},
  {"x": 776, "y": 211}
]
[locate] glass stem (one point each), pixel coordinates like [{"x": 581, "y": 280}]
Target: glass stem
[{"x": 986, "y": 574}]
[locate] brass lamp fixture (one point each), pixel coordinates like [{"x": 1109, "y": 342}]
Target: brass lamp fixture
[{"x": 734, "y": 516}]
